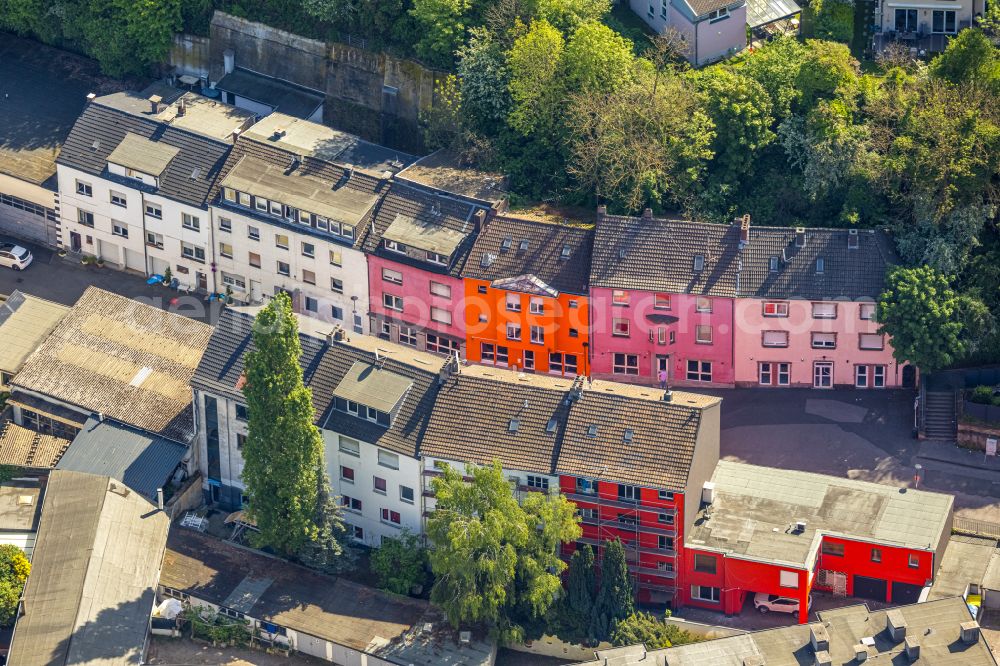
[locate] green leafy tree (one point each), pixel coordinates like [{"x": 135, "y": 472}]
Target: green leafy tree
[
  {"x": 568, "y": 15},
  {"x": 284, "y": 450},
  {"x": 127, "y": 37},
  {"x": 828, "y": 71},
  {"x": 970, "y": 56},
  {"x": 832, "y": 19},
  {"x": 651, "y": 631},
  {"x": 989, "y": 22},
  {"x": 14, "y": 570},
  {"x": 577, "y": 605},
  {"x": 484, "y": 81},
  {"x": 535, "y": 63},
  {"x": 921, "y": 313},
  {"x": 400, "y": 564},
  {"x": 497, "y": 562},
  {"x": 597, "y": 59},
  {"x": 775, "y": 66},
  {"x": 328, "y": 550},
  {"x": 441, "y": 25},
  {"x": 615, "y": 600}
]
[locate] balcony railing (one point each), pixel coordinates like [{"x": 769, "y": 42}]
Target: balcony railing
[{"x": 611, "y": 524}]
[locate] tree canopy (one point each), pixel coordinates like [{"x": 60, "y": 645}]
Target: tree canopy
[{"x": 14, "y": 570}]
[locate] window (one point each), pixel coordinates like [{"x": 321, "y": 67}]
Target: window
[
  {"x": 441, "y": 345},
  {"x": 281, "y": 241},
  {"x": 394, "y": 246},
  {"x": 513, "y": 302},
  {"x": 254, "y": 259},
  {"x": 253, "y": 233},
  {"x": 322, "y": 223},
  {"x": 870, "y": 341},
  {"x": 719, "y": 14},
  {"x": 628, "y": 493},
  {"x": 441, "y": 290},
  {"x": 154, "y": 210},
  {"x": 834, "y": 549},
  {"x": 350, "y": 503},
  {"x": 775, "y": 339},
  {"x": 441, "y": 316},
  {"x": 351, "y": 447},
  {"x": 275, "y": 208},
  {"x": 625, "y": 364},
  {"x": 861, "y": 376},
  {"x": 337, "y": 312},
  {"x": 225, "y": 225},
  {"x": 619, "y": 297},
  {"x": 481, "y": 289},
  {"x": 586, "y": 486},
  {"x": 878, "y": 376},
  {"x": 378, "y": 485},
  {"x": 436, "y": 258},
  {"x": 906, "y": 20},
  {"x": 260, "y": 203},
  {"x": 244, "y": 199},
  {"x": 943, "y": 21},
  {"x": 769, "y": 372},
  {"x": 392, "y": 302},
  {"x": 703, "y": 304},
  {"x": 824, "y": 340},
  {"x": 305, "y": 218},
  {"x": 775, "y": 309},
  {"x": 513, "y": 331},
  {"x": 229, "y": 195},
  {"x": 84, "y": 189},
  {"x": 699, "y": 263},
  {"x": 193, "y": 252},
  {"x": 85, "y": 217},
  {"x": 392, "y": 276},
  {"x": 705, "y": 563},
  {"x": 699, "y": 371},
  {"x": 663, "y": 8},
  {"x": 538, "y": 482},
  {"x": 573, "y": 305},
  {"x": 308, "y": 276},
  {"x": 234, "y": 281},
  {"x": 119, "y": 229},
  {"x": 913, "y": 561},
  {"x": 705, "y": 593},
  {"x": 820, "y": 265},
  {"x": 312, "y": 305},
  {"x": 537, "y": 335},
  {"x": 867, "y": 311},
  {"x": 387, "y": 459},
  {"x": 528, "y": 359},
  {"x": 772, "y": 264},
  {"x": 336, "y": 258},
  {"x": 308, "y": 250},
  {"x": 620, "y": 327},
  {"x": 876, "y": 554},
  {"x": 406, "y": 494},
  {"x": 661, "y": 301},
  {"x": 189, "y": 221},
  {"x": 784, "y": 374},
  {"x": 788, "y": 579},
  {"x": 359, "y": 532},
  {"x": 408, "y": 336},
  {"x": 824, "y": 310},
  {"x": 226, "y": 250},
  {"x": 703, "y": 334},
  {"x": 336, "y": 284},
  {"x": 389, "y": 516},
  {"x": 649, "y": 12},
  {"x": 764, "y": 374},
  {"x": 346, "y": 474},
  {"x": 536, "y": 306},
  {"x": 587, "y": 514},
  {"x": 564, "y": 364},
  {"x": 665, "y": 495},
  {"x": 118, "y": 199}
]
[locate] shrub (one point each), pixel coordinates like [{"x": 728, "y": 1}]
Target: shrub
[
  {"x": 982, "y": 395},
  {"x": 400, "y": 564}
]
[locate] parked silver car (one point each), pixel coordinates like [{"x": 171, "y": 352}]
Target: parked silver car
[{"x": 14, "y": 256}]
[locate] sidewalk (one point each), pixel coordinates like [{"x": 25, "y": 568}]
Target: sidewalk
[{"x": 986, "y": 467}]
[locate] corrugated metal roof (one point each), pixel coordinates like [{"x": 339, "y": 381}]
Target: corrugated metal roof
[{"x": 142, "y": 461}]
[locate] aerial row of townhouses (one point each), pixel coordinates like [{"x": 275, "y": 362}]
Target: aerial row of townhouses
[{"x": 423, "y": 252}]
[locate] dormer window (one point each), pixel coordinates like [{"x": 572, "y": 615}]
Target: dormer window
[
  {"x": 229, "y": 194},
  {"x": 260, "y": 203},
  {"x": 276, "y": 208},
  {"x": 244, "y": 199},
  {"x": 820, "y": 265},
  {"x": 436, "y": 258},
  {"x": 566, "y": 252},
  {"x": 394, "y": 246},
  {"x": 523, "y": 247},
  {"x": 699, "y": 263},
  {"x": 506, "y": 243},
  {"x": 363, "y": 412},
  {"x": 487, "y": 260}
]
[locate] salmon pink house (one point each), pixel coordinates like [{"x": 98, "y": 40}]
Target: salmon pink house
[
  {"x": 688, "y": 303},
  {"x": 783, "y": 533}
]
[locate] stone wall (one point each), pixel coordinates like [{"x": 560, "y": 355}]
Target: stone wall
[{"x": 974, "y": 436}]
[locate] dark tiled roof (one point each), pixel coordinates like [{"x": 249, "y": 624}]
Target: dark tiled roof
[
  {"x": 320, "y": 170},
  {"x": 702, "y": 7},
  {"x": 411, "y": 417},
  {"x": 222, "y": 363},
  {"x": 282, "y": 96},
  {"x": 472, "y": 416},
  {"x": 421, "y": 205},
  {"x": 639, "y": 438},
  {"x": 497, "y": 253},
  {"x": 188, "y": 177},
  {"x": 142, "y": 461},
  {"x": 659, "y": 255}
]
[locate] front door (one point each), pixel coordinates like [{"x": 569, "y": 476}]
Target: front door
[
  {"x": 822, "y": 374},
  {"x": 661, "y": 369},
  {"x": 75, "y": 242},
  {"x": 255, "y": 291},
  {"x": 202, "y": 281}
]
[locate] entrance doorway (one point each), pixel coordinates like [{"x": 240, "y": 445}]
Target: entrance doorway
[
  {"x": 661, "y": 368},
  {"x": 823, "y": 374},
  {"x": 202, "y": 281},
  {"x": 909, "y": 376},
  {"x": 255, "y": 291},
  {"x": 75, "y": 242}
]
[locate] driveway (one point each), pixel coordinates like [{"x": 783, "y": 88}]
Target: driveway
[{"x": 63, "y": 280}]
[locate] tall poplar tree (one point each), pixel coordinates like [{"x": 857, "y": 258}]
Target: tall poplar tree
[
  {"x": 614, "y": 597},
  {"x": 283, "y": 453}
]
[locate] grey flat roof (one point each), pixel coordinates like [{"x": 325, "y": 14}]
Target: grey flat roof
[
  {"x": 305, "y": 193},
  {"x": 93, "y": 575},
  {"x": 424, "y": 235},
  {"x": 19, "y": 506},
  {"x": 755, "y": 509},
  {"x": 279, "y": 95},
  {"x": 144, "y": 462},
  {"x": 141, "y": 154},
  {"x": 370, "y": 385},
  {"x": 966, "y": 560},
  {"x": 445, "y": 171},
  {"x": 934, "y": 625},
  {"x": 762, "y": 12}
]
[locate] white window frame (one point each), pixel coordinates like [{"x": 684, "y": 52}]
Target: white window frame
[
  {"x": 698, "y": 372},
  {"x": 388, "y": 459},
  {"x": 537, "y": 335},
  {"x": 441, "y": 316},
  {"x": 861, "y": 376},
  {"x": 118, "y": 199},
  {"x": 774, "y": 339},
  {"x": 154, "y": 210},
  {"x": 536, "y": 306},
  {"x": 191, "y": 222},
  {"x": 824, "y": 310},
  {"x": 394, "y": 277},
  {"x": 392, "y": 302},
  {"x": 440, "y": 289},
  {"x": 119, "y": 229},
  {"x": 823, "y": 340}
]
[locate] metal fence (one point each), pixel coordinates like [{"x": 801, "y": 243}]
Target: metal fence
[
  {"x": 980, "y": 528},
  {"x": 987, "y": 413}
]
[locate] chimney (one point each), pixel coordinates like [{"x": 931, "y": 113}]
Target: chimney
[
  {"x": 602, "y": 212},
  {"x": 819, "y": 637},
  {"x": 860, "y": 652},
  {"x": 229, "y": 61},
  {"x": 480, "y": 219},
  {"x": 236, "y": 134},
  {"x": 745, "y": 229},
  {"x": 181, "y": 108},
  {"x": 800, "y": 236},
  {"x": 159, "y": 498},
  {"x": 754, "y": 660},
  {"x": 668, "y": 396},
  {"x": 912, "y": 648},
  {"x": 823, "y": 658},
  {"x": 895, "y": 625},
  {"x": 91, "y": 97},
  {"x": 969, "y": 632},
  {"x": 279, "y": 132},
  {"x": 708, "y": 492},
  {"x": 852, "y": 239},
  {"x": 647, "y": 214},
  {"x": 154, "y": 104}
]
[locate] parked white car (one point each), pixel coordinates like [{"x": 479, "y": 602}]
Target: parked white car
[
  {"x": 772, "y": 602},
  {"x": 14, "y": 256}
]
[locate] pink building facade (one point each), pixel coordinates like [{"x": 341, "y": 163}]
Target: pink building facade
[
  {"x": 813, "y": 343},
  {"x": 637, "y": 335}
]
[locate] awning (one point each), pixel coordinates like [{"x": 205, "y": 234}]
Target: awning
[{"x": 763, "y": 12}]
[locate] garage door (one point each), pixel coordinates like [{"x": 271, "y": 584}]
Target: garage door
[
  {"x": 870, "y": 588},
  {"x": 23, "y": 219},
  {"x": 109, "y": 252},
  {"x": 906, "y": 593},
  {"x": 135, "y": 261}
]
